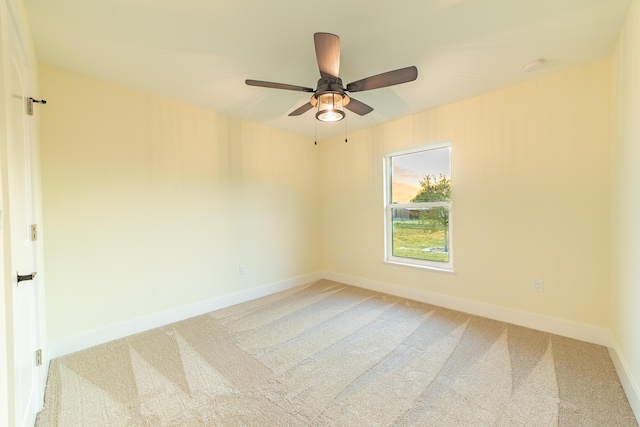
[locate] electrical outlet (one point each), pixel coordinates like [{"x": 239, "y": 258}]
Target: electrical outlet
[
  {"x": 242, "y": 269},
  {"x": 537, "y": 285}
]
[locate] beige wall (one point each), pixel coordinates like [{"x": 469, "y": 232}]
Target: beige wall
[
  {"x": 625, "y": 224},
  {"x": 151, "y": 204},
  {"x": 530, "y": 179}
]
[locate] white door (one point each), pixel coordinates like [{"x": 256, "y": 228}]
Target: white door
[{"x": 19, "y": 209}]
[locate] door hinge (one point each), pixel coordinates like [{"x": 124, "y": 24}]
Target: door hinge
[
  {"x": 38, "y": 357},
  {"x": 30, "y": 102},
  {"x": 34, "y": 232}
]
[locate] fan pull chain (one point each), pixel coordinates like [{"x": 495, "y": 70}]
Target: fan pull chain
[
  {"x": 345, "y": 130},
  {"x": 315, "y": 132}
]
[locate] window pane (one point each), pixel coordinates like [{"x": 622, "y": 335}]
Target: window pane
[
  {"x": 423, "y": 176},
  {"x": 421, "y": 233}
]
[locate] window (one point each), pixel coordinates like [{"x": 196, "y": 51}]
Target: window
[{"x": 418, "y": 207}]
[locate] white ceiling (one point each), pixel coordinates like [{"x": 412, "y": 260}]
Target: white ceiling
[{"x": 201, "y": 51}]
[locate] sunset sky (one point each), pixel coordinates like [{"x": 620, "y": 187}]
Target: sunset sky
[{"x": 409, "y": 169}]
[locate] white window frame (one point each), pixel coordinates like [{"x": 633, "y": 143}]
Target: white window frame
[{"x": 388, "y": 220}]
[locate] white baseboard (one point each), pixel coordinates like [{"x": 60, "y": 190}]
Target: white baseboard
[
  {"x": 539, "y": 322},
  {"x": 553, "y": 325},
  {"x": 141, "y": 324},
  {"x": 629, "y": 384}
]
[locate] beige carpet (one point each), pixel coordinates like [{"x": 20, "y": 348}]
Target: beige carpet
[{"x": 331, "y": 354}]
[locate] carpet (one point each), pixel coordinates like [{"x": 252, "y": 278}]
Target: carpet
[{"x": 328, "y": 354}]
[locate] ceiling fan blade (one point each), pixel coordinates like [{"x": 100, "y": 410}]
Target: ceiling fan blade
[
  {"x": 358, "y": 107},
  {"x": 390, "y": 78},
  {"x": 327, "y": 54},
  {"x": 301, "y": 110},
  {"x": 278, "y": 86}
]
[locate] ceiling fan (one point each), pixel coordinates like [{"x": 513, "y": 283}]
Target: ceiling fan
[{"x": 330, "y": 96}]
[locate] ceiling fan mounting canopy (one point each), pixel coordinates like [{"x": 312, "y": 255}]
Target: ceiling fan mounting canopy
[
  {"x": 325, "y": 85},
  {"x": 330, "y": 96}
]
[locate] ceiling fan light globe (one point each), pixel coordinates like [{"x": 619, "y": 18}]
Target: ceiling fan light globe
[
  {"x": 330, "y": 115},
  {"x": 330, "y": 107}
]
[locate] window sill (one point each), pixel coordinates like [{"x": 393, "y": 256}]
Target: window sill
[{"x": 422, "y": 267}]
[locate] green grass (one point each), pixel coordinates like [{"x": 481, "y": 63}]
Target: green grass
[{"x": 419, "y": 240}]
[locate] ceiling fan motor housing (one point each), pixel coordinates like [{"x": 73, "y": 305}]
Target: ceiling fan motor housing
[{"x": 330, "y": 86}]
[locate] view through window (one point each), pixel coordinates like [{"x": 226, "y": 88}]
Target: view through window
[{"x": 418, "y": 206}]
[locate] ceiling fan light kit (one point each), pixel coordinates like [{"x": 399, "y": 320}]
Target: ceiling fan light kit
[
  {"x": 330, "y": 97},
  {"x": 330, "y": 106}
]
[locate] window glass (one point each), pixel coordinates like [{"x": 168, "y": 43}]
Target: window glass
[
  {"x": 421, "y": 233},
  {"x": 409, "y": 170}
]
